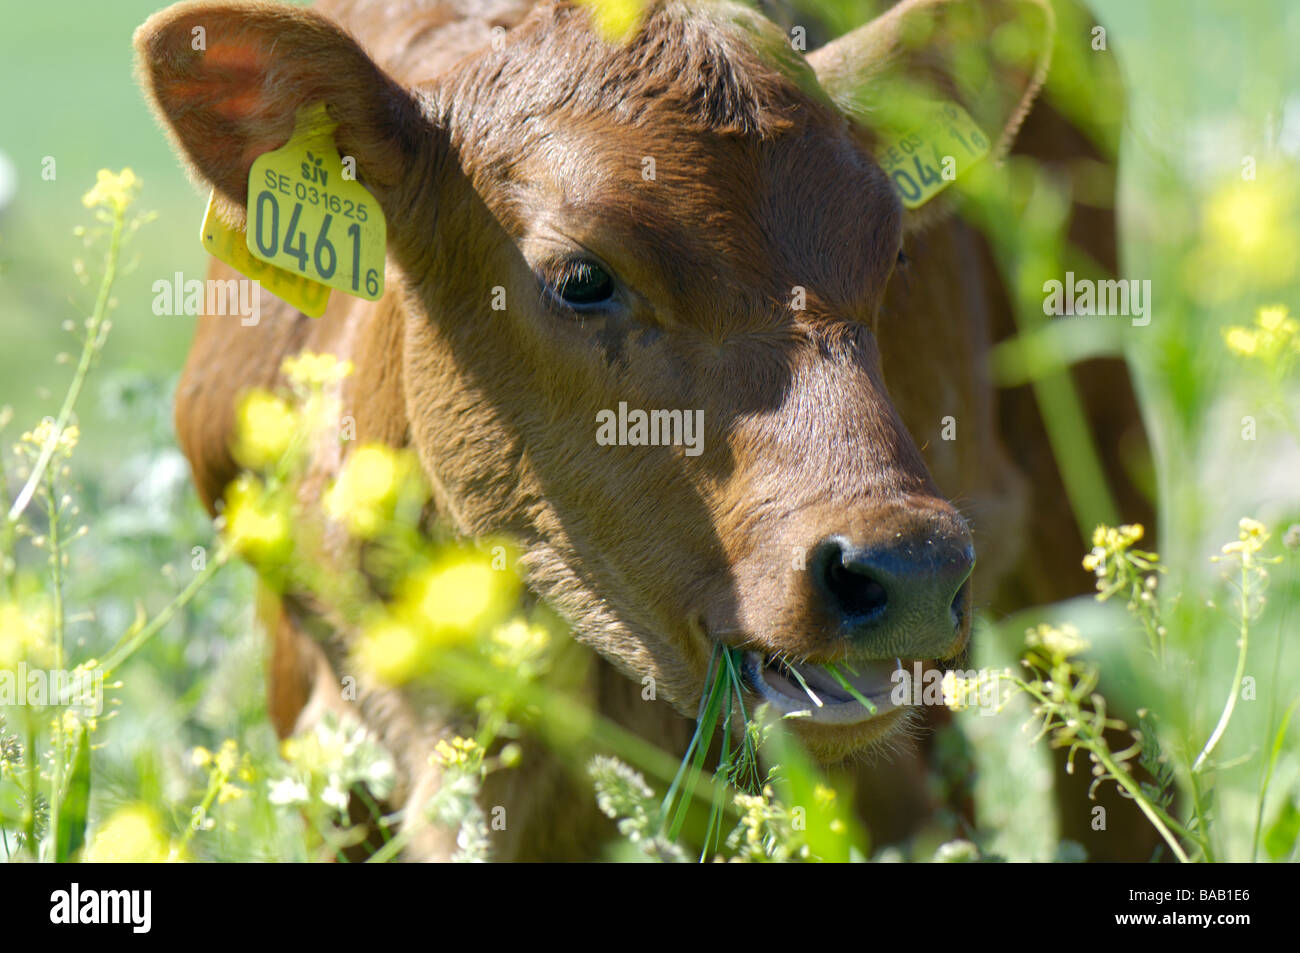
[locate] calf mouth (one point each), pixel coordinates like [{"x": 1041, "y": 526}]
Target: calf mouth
[{"x": 824, "y": 693}]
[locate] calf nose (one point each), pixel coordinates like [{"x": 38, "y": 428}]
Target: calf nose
[{"x": 905, "y": 596}]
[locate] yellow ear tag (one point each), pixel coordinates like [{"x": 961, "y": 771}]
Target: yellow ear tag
[
  {"x": 227, "y": 244},
  {"x": 308, "y": 218},
  {"x": 928, "y": 156}
]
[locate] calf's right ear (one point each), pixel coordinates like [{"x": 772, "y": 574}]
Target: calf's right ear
[
  {"x": 228, "y": 80},
  {"x": 988, "y": 56}
]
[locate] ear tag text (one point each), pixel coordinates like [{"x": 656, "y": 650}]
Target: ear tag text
[
  {"x": 914, "y": 158},
  {"x": 307, "y": 219}
]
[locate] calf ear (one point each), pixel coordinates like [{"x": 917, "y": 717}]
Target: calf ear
[
  {"x": 989, "y": 56},
  {"x": 228, "y": 79}
]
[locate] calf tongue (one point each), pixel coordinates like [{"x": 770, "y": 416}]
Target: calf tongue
[{"x": 871, "y": 679}]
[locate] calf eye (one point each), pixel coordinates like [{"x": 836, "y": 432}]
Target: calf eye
[{"x": 583, "y": 284}]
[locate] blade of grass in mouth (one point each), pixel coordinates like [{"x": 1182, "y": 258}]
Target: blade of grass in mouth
[
  {"x": 705, "y": 724},
  {"x": 802, "y": 684},
  {"x": 737, "y": 766},
  {"x": 848, "y": 687},
  {"x": 713, "y": 831},
  {"x": 731, "y": 658},
  {"x": 744, "y": 773}
]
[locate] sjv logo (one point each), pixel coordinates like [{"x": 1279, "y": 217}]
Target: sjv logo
[{"x": 132, "y": 907}]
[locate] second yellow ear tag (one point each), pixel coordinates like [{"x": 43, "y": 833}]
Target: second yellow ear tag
[
  {"x": 228, "y": 245},
  {"x": 927, "y": 157},
  {"x": 308, "y": 218}
]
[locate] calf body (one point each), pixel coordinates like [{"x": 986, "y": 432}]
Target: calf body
[{"x": 751, "y": 278}]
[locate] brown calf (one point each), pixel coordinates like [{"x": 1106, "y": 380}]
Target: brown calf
[{"x": 808, "y": 525}]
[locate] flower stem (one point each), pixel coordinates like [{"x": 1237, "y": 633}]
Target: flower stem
[
  {"x": 1243, "y": 645},
  {"x": 1097, "y": 747},
  {"x": 56, "y": 585},
  {"x": 1125, "y": 780},
  {"x": 94, "y": 342},
  {"x": 134, "y": 638}
]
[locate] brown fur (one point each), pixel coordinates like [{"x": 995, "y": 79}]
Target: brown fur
[{"x": 489, "y": 163}]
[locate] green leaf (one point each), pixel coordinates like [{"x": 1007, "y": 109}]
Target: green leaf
[
  {"x": 1278, "y": 740},
  {"x": 1280, "y": 839},
  {"x": 832, "y": 833},
  {"x": 71, "y": 835}
]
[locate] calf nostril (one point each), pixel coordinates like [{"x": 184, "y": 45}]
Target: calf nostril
[
  {"x": 921, "y": 584},
  {"x": 853, "y": 587}
]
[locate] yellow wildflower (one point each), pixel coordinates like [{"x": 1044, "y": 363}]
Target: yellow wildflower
[
  {"x": 459, "y": 598},
  {"x": 363, "y": 495},
  {"x": 134, "y": 834},
  {"x": 257, "y": 526},
  {"x": 71, "y": 721},
  {"x": 1275, "y": 319},
  {"x": 959, "y": 693},
  {"x": 1242, "y": 216},
  {"x": 448, "y": 604},
  {"x": 460, "y": 753},
  {"x": 24, "y": 635},
  {"x": 1110, "y": 544},
  {"x": 517, "y": 642},
  {"x": 1251, "y": 538},
  {"x": 1249, "y": 238},
  {"x": 227, "y": 758},
  {"x": 44, "y": 433},
  {"x": 616, "y": 20},
  {"x": 1252, "y": 529},
  {"x": 391, "y": 650},
  {"x": 266, "y": 426},
  {"x": 308, "y": 370},
  {"x": 368, "y": 478},
  {"x": 1059, "y": 642},
  {"x": 1274, "y": 339},
  {"x": 116, "y": 191},
  {"x": 1241, "y": 340}
]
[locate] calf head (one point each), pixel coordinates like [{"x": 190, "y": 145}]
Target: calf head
[{"x": 691, "y": 221}]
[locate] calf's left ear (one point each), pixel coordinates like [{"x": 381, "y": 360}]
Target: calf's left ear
[
  {"x": 228, "y": 81},
  {"x": 988, "y": 56}
]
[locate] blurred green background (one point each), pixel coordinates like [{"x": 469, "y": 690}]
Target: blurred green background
[{"x": 69, "y": 94}]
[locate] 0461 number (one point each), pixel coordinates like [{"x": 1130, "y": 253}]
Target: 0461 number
[
  {"x": 323, "y": 254},
  {"x": 928, "y": 175}
]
